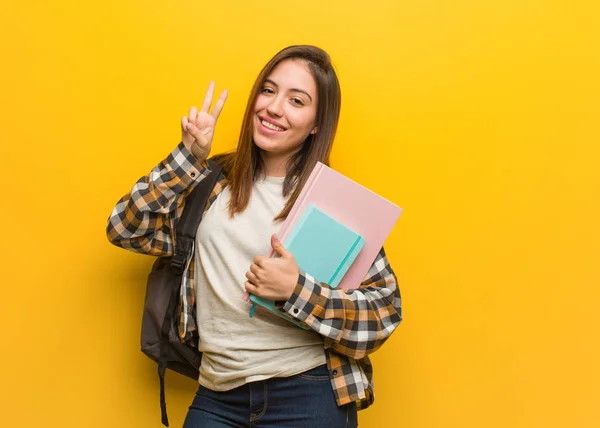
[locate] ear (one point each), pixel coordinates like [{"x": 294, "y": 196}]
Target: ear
[{"x": 314, "y": 131}]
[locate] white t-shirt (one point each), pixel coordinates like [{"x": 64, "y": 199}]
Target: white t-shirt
[{"x": 238, "y": 349}]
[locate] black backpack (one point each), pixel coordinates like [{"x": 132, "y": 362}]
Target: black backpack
[{"x": 160, "y": 322}]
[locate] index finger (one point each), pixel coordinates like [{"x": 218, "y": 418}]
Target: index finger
[
  {"x": 219, "y": 105},
  {"x": 208, "y": 97}
]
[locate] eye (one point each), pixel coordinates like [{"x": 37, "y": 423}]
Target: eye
[
  {"x": 267, "y": 91},
  {"x": 297, "y": 101}
]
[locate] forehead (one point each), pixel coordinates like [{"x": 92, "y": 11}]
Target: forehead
[{"x": 293, "y": 74}]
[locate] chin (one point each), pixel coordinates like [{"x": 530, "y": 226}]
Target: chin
[{"x": 264, "y": 143}]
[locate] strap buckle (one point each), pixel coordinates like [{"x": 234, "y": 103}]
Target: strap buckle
[{"x": 178, "y": 263}]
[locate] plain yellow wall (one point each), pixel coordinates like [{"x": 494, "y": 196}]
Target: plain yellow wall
[{"x": 480, "y": 118}]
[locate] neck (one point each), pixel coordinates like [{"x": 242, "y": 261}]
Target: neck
[{"x": 275, "y": 164}]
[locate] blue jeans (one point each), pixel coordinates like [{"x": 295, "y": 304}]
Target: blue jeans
[{"x": 304, "y": 400}]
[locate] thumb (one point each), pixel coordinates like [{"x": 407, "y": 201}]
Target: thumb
[{"x": 279, "y": 248}]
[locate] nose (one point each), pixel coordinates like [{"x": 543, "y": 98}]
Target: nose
[{"x": 275, "y": 106}]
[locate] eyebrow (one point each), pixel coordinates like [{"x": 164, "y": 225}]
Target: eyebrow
[{"x": 293, "y": 89}]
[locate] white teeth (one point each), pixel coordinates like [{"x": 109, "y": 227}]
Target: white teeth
[{"x": 271, "y": 126}]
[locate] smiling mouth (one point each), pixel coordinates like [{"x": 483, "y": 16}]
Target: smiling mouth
[{"x": 270, "y": 126}]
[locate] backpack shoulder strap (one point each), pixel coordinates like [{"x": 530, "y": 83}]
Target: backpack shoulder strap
[
  {"x": 184, "y": 238},
  {"x": 193, "y": 212}
]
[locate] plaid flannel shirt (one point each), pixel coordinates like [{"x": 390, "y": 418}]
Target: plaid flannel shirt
[{"x": 353, "y": 323}]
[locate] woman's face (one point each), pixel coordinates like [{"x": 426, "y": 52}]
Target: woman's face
[{"x": 285, "y": 110}]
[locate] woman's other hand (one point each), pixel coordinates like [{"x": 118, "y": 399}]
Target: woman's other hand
[
  {"x": 273, "y": 278},
  {"x": 198, "y": 127}
]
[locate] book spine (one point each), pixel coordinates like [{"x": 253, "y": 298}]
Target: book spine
[{"x": 270, "y": 306}]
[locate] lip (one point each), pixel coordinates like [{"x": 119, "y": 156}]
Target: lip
[{"x": 272, "y": 122}]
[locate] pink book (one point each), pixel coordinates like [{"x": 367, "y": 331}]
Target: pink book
[{"x": 353, "y": 205}]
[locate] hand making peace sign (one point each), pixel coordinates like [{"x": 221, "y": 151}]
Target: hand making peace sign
[{"x": 198, "y": 128}]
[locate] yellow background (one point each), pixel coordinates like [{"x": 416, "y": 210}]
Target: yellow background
[{"x": 479, "y": 118}]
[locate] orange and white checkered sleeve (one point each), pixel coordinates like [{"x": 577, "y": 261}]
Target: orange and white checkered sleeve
[
  {"x": 353, "y": 322},
  {"x": 144, "y": 219}
]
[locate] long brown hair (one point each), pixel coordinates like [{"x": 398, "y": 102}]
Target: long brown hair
[{"x": 243, "y": 166}]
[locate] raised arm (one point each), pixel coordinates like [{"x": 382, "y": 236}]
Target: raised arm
[{"x": 144, "y": 219}]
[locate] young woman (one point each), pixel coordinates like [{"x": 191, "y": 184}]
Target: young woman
[{"x": 263, "y": 371}]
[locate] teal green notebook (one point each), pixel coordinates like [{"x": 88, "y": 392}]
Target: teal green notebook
[{"x": 322, "y": 247}]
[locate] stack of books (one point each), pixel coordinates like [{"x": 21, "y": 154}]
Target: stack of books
[{"x": 335, "y": 230}]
